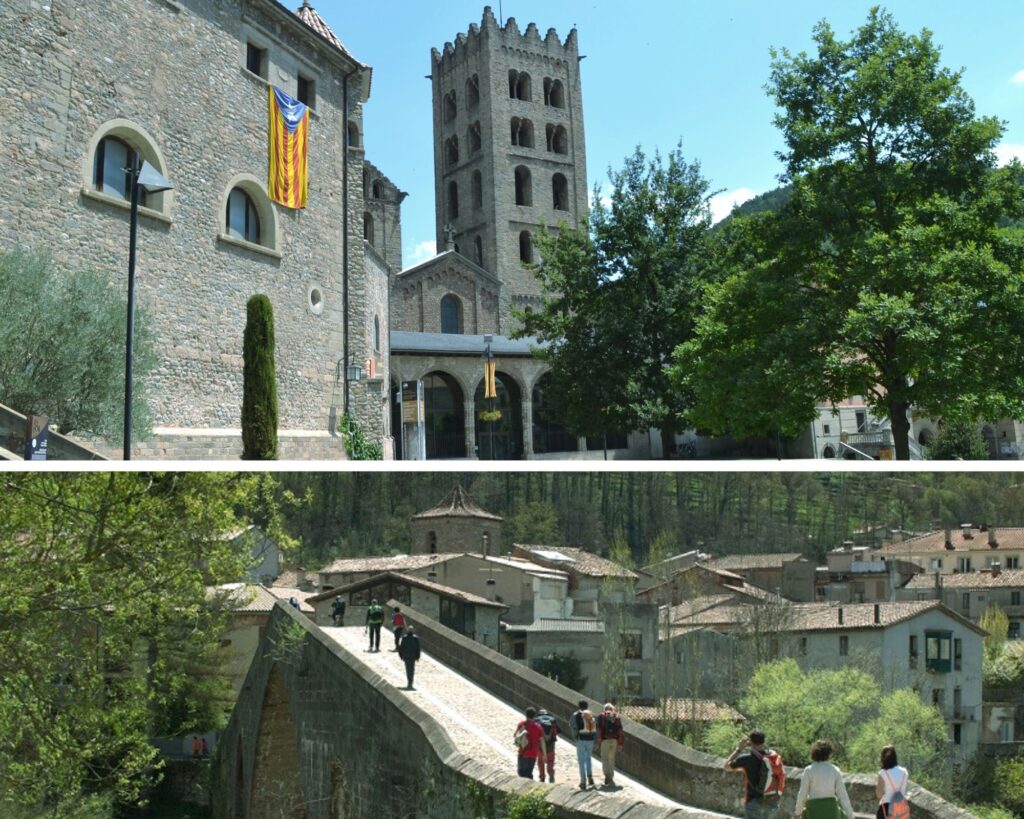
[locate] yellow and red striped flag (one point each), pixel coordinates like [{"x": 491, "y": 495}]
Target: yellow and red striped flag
[
  {"x": 490, "y": 387},
  {"x": 289, "y": 150}
]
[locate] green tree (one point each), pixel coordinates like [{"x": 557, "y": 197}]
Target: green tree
[
  {"x": 536, "y": 522},
  {"x": 620, "y": 297},
  {"x": 997, "y": 624},
  {"x": 562, "y": 668},
  {"x": 958, "y": 440},
  {"x": 1009, "y": 782},
  {"x": 104, "y": 612},
  {"x": 887, "y": 274},
  {"x": 259, "y": 390},
  {"x": 62, "y": 347}
]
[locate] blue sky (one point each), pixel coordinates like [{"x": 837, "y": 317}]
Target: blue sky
[{"x": 657, "y": 71}]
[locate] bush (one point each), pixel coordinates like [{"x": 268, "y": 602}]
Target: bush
[
  {"x": 530, "y": 805},
  {"x": 958, "y": 440},
  {"x": 1009, "y": 781},
  {"x": 1007, "y": 669},
  {"x": 259, "y": 389},
  {"x": 357, "y": 446},
  {"x": 562, "y": 668}
]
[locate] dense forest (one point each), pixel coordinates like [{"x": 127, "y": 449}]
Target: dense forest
[{"x": 653, "y": 513}]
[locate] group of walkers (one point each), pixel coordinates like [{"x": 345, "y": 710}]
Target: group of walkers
[
  {"x": 536, "y": 735},
  {"x": 407, "y": 642},
  {"x": 822, "y": 792}
]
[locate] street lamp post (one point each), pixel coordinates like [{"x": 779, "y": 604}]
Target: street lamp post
[{"x": 149, "y": 178}]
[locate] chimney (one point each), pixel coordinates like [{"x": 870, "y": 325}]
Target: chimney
[
  {"x": 840, "y": 615},
  {"x": 847, "y": 545},
  {"x": 878, "y": 614},
  {"x": 949, "y": 539},
  {"x": 965, "y": 529},
  {"x": 992, "y": 542},
  {"x": 997, "y": 567}
]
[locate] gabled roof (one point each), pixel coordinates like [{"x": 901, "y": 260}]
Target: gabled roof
[
  {"x": 252, "y": 598},
  {"x": 1007, "y": 538},
  {"x": 577, "y": 561},
  {"x": 393, "y": 563},
  {"x": 577, "y": 625},
  {"x": 762, "y": 561},
  {"x": 309, "y": 16},
  {"x": 411, "y": 580},
  {"x": 444, "y": 257},
  {"x": 1007, "y": 578},
  {"x": 457, "y": 504}
]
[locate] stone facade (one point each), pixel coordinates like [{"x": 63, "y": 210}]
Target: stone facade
[
  {"x": 418, "y": 291},
  {"x": 178, "y": 91}
]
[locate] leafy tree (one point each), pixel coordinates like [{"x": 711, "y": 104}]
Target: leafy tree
[
  {"x": 1007, "y": 669},
  {"x": 620, "y": 297},
  {"x": 104, "y": 614},
  {"x": 997, "y": 624},
  {"x": 958, "y": 440},
  {"x": 62, "y": 347},
  {"x": 1009, "y": 781},
  {"x": 916, "y": 729},
  {"x": 536, "y": 522},
  {"x": 887, "y": 274},
  {"x": 562, "y": 668},
  {"x": 259, "y": 390},
  {"x": 723, "y": 735}
]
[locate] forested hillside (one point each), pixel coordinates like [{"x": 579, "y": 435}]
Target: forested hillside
[{"x": 357, "y": 513}]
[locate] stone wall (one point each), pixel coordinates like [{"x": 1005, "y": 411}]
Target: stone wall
[{"x": 178, "y": 91}]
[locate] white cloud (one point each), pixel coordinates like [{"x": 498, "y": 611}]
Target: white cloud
[
  {"x": 421, "y": 251},
  {"x": 1006, "y": 152},
  {"x": 723, "y": 203},
  {"x": 1018, "y": 78}
]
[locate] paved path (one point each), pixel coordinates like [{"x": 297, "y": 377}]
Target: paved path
[{"x": 479, "y": 724}]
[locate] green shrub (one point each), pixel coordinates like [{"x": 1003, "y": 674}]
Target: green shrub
[
  {"x": 530, "y": 805},
  {"x": 357, "y": 446}
]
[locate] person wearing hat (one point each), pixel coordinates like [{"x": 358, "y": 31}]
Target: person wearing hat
[{"x": 609, "y": 740}]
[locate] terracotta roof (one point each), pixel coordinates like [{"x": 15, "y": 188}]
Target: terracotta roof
[
  {"x": 688, "y": 608},
  {"x": 457, "y": 504},
  {"x": 724, "y": 578},
  {"x": 284, "y": 593},
  {"x": 1007, "y": 578},
  {"x": 412, "y": 580},
  {"x": 308, "y": 15},
  {"x": 936, "y": 542},
  {"x": 576, "y": 560},
  {"x": 253, "y": 598},
  {"x": 740, "y": 562},
  {"x": 392, "y": 563},
  {"x": 573, "y": 624},
  {"x": 679, "y": 708}
]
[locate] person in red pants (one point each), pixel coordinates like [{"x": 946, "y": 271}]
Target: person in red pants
[{"x": 546, "y": 760}]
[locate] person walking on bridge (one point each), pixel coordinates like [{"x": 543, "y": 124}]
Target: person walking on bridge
[
  {"x": 609, "y": 741},
  {"x": 374, "y": 620},
  {"x": 751, "y": 757},
  {"x": 529, "y": 739},
  {"x": 398, "y": 624},
  {"x": 409, "y": 651},
  {"x": 546, "y": 761},
  {"x": 584, "y": 730},
  {"x": 338, "y": 610}
]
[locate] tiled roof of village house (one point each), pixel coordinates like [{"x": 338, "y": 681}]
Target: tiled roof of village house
[
  {"x": 412, "y": 580},
  {"x": 688, "y": 608},
  {"x": 285, "y": 593},
  {"x": 823, "y": 617},
  {"x": 573, "y": 624},
  {"x": 724, "y": 578},
  {"x": 457, "y": 504},
  {"x": 764, "y": 561},
  {"x": 1007, "y": 578},
  {"x": 308, "y": 15},
  {"x": 392, "y": 563},
  {"x": 253, "y": 598},
  {"x": 680, "y": 708},
  {"x": 936, "y": 542},
  {"x": 576, "y": 560}
]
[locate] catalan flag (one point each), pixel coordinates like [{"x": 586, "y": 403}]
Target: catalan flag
[{"x": 289, "y": 150}]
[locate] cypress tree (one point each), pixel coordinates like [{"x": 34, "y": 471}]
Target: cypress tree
[{"x": 259, "y": 390}]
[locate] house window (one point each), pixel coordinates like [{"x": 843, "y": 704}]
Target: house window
[
  {"x": 378, "y": 189},
  {"x": 803, "y": 646},
  {"x": 452, "y": 150},
  {"x": 451, "y": 315},
  {"x": 936, "y": 563},
  {"x": 632, "y": 646},
  {"x": 1013, "y": 630},
  {"x": 450, "y": 108},
  {"x": 519, "y": 651},
  {"x": 453, "y": 200},
  {"x": 844, "y": 645},
  {"x": 306, "y": 91},
  {"x": 862, "y": 420},
  {"x": 634, "y": 684},
  {"x": 958, "y": 655},
  {"x": 256, "y": 59},
  {"x": 965, "y": 601},
  {"x": 110, "y": 175},
  {"x": 938, "y": 697},
  {"x": 912, "y": 653},
  {"x": 353, "y": 135},
  {"x": 1013, "y": 562},
  {"x": 519, "y": 85},
  {"x": 826, "y": 429},
  {"x": 474, "y": 138},
  {"x": 242, "y": 220},
  {"x": 478, "y": 250},
  {"x": 1015, "y": 598},
  {"x": 956, "y": 733},
  {"x": 963, "y": 564},
  {"x": 557, "y": 139},
  {"x": 937, "y": 650},
  {"x": 553, "y": 93}
]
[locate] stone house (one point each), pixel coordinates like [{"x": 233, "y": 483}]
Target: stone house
[
  {"x": 349, "y": 570},
  {"x": 187, "y": 91},
  {"x": 971, "y": 593},
  {"x": 969, "y": 549},
  {"x": 852, "y": 576},
  {"x": 787, "y": 573},
  {"x": 456, "y": 524}
]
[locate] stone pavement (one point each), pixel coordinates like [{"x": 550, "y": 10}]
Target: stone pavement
[{"x": 479, "y": 724}]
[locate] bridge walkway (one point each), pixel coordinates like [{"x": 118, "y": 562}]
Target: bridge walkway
[{"x": 479, "y": 724}]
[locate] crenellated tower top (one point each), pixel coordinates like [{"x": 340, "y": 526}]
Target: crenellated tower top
[{"x": 509, "y": 36}]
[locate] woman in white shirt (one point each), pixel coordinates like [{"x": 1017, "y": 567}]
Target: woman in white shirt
[
  {"x": 891, "y": 778},
  {"x": 822, "y": 791}
]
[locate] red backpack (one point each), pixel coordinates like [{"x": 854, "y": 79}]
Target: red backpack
[{"x": 775, "y": 776}]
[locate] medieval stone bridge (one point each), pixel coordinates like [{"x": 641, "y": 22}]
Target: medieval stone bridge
[{"x": 325, "y": 729}]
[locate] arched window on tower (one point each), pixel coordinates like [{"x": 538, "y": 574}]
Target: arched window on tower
[
  {"x": 474, "y": 138},
  {"x": 524, "y": 186},
  {"x": 558, "y": 139},
  {"x": 554, "y": 94},
  {"x": 368, "y": 227},
  {"x": 478, "y": 250},
  {"x": 353, "y": 135},
  {"x": 519, "y": 85},
  {"x": 451, "y": 315},
  {"x": 522, "y": 132},
  {"x": 450, "y": 109},
  {"x": 559, "y": 192},
  {"x": 378, "y": 189},
  {"x": 451, "y": 151},
  {"x": 525, "y": 247},
  {"x": 472, "y": 92},
  {"x": 478, "y": 190},
  {"x": 453, "y": 200}
]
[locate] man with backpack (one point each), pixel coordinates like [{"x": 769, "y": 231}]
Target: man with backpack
[
  {"x": 374, "y": 620},
  {"x": 546, "y": 761},
  {"x": 338, "y": 610},
  {"x": 609, "y": 741},
  {"x": 398, "y": 624},
  {"x": 409, "y": 651},
  {"x": 528, "y": 739},
  {"x": 765, "y": 776},
  {"x": 584, "y": 731}
]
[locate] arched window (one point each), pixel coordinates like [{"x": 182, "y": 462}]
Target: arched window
[
  {"x": 453, "y": 199},
  {"x": 559, "y": 192},
  {"x": 378, "y": 189},
  {"x": 112, "y": 157},
  {"x": 450, "y": 109},
  {"x": 558, "y": 139},
  {"x": 451, "y": 315},
  {"x": 522, "y": 132},
  {"x": 241, "y": 220},
  {"x": 524, "y": 186},
  {"x": 353, "y": 135},
  {"x": 525, "y": 247},
  {"x": 828, "y": 452},
  {"x": 368, "y": 227},
  {"x": 376, "y": 334},
  {"x": 478, "y": 190},
  {"x": 474, "y": 138},
  {"x": 554, "y": 94},
  {"x": 451, "y": 150},
  {"x": 478, "y": 251},
  {"x": 519, "y": 85},
  {"x": 472, "y": 92}
]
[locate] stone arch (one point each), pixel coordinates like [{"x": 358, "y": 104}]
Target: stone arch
[
  {"x": 557, "y": 139},
  {"x": 353, "y": 134},
  {"x": 522, "y": 132},
  {"x": 139, "y": 140},
  {"x": 256, "y": 190},
  {"x": 549, "y": 435},
  {"x": 277, "y": 777},
  {"x": 444, "y": 416},
  {"x": 378, "y": 189},
  {"x": 473, "y": 92},
  {"x": 526, "y": 247},
  {"x": 519, "y": 85},
  {"x": 559, "y": 192},
  {"x": 450, "y": 106},
  {"x": 554, "y": 93},
  {"x": 926, "y": 436},
  {"x": 828, "y": 452},
  {"x": 508, "y": 430},
  {"x": 524, "y": 186}
]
